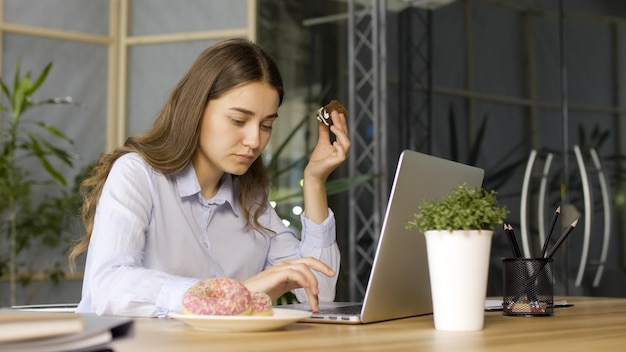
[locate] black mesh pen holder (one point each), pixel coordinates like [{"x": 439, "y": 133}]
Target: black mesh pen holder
[{"x": 528, "y": 287}]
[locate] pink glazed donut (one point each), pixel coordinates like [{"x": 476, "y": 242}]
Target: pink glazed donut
[
  {"x": 261, "y": 304},
  {"x": 218, "y": 296}
]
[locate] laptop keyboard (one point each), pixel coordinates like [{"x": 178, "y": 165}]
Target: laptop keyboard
[{"x": 350, "y": 310}]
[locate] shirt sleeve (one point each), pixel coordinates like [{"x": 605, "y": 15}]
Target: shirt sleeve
[
  {"x": 317, "y": 241},
  {"x": 116, "y": 281},
  {"x": 320, "y": 241}
]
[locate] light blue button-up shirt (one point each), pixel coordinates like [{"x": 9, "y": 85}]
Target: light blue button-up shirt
[{"x": 155, "y": 236}]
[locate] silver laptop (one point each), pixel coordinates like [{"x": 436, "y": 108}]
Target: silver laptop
[{"x": 399, "y": 285}]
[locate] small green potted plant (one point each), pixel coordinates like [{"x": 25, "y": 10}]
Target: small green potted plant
[
  {"x": 465, "y": 208},
  {"x": 458, "y": 229}
]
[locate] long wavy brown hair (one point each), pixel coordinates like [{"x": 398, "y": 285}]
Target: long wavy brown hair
[{"x": 170, "y": 143}]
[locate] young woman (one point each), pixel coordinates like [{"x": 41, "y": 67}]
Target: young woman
[{"x": 187, "y": 200}]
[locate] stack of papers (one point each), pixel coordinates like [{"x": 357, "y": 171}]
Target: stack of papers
[
  {"x": 494, "y": 304},
  {"x": 54, "y": 331},
  {"x": 18, "y": 326}
]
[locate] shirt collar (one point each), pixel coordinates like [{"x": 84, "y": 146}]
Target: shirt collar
[{"x": 188, "y": 185}]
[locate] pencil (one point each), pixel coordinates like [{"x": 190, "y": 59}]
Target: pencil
[
  {"x": 517, "y": 253},
  {"x": 510, "y": 239},
  {"x": 545, "y": 244},
  {"x": 556, "y": 246},
  {"x": 561, "y": 239}
]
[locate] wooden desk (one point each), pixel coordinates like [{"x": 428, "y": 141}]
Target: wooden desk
[{"x": 592, "y": 324}]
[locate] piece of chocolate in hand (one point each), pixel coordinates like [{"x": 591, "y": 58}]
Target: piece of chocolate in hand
[{"x": 323, "y": 114}]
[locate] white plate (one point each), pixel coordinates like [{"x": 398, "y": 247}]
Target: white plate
[{"x": 246, "y": 323}]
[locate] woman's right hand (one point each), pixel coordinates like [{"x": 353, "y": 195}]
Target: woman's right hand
[{"x": 289, "y": 275}]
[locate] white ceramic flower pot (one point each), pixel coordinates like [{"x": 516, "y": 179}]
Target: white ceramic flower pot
[{"x": 458, "y": 263}]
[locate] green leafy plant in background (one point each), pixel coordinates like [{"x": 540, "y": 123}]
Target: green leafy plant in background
[
  {"x": 465, "y": 208},
  {"x": 614, "y": 164},
  {"x": 588, "y": 138},
  {"x": 22, "y": 218},
  {"x": 504, "y": 167}
]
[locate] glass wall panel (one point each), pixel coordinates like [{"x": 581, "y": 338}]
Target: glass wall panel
[
  {"x": 153, "y": 71},
  {"x": 71, "y": 15},
  {"x": 149, "y": 17}
]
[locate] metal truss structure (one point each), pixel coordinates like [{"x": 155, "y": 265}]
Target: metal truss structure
[{"x": 367, "y": 100}]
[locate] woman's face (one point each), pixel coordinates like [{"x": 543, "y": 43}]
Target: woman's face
[{"x": 235, "y": 129}]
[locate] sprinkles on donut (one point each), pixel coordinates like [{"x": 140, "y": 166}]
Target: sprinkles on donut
[
  {"x": 225, "y": 296},
  {"x": 217, "y": 296},
  {"x": 261, "y": 304}
]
